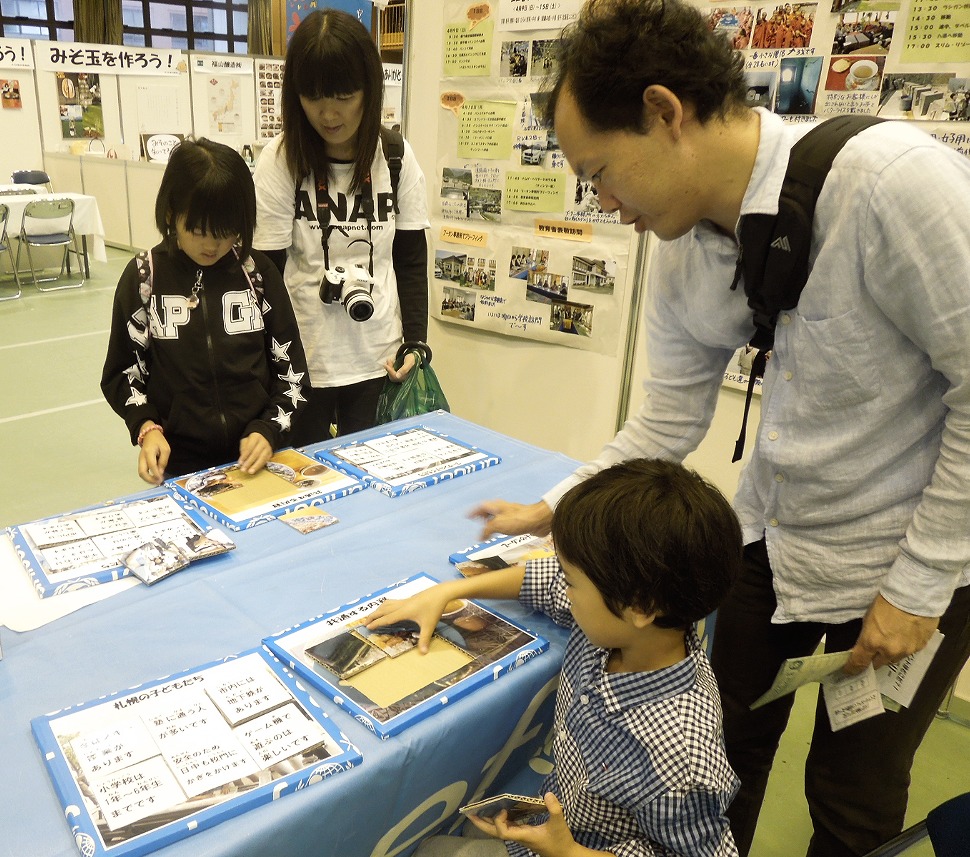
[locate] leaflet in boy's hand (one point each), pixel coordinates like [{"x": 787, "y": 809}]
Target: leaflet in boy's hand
[{"x": 519, "y": 807}]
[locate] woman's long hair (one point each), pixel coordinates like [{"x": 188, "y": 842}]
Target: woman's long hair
[{"x": 331, "y": 53}]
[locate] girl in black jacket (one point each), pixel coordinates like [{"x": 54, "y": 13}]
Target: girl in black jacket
[{"x": 205, "y": 362}]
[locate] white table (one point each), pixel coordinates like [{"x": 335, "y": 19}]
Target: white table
[{"x": 87, "y": 219}]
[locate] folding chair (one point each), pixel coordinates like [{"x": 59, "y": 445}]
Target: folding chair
[
  {"x": 32, "y": 177},
  {"x": 50, "y": 223},
  {"x": 947, "y": 826},
  {"x": 5, "y": 246},
  {"x": 4, "y": 191}
]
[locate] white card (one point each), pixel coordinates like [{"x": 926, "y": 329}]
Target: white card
[
  {"x": 851, "y": 698},
  {"x": 137, "y": 792}
]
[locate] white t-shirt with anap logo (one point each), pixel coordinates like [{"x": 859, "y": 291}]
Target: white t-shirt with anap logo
[{"x": 339, "y": 350}]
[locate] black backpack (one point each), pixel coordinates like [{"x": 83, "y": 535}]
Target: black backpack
[
  {"x": 773, "y": 256},
  {"x": 392, "y": 144}
]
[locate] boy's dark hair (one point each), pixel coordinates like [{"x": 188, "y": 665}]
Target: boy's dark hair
[
  {"x": 211, "y": 186},
  {"x": 653, "y": 535},
  {"x": 331, "y": 53},
  {"x": 617, "y": 48}
]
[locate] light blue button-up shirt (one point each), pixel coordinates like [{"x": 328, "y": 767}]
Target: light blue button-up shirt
[{"x": 860, "y": 474}]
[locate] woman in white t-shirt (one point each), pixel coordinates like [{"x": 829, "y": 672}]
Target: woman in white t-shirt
[{"x": 352, "y": 249}]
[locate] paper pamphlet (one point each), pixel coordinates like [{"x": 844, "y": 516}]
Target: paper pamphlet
[{"x": 853, "y": 698}]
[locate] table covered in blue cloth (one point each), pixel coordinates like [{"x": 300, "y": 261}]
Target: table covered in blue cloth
[{"x": 407, "y": 785}]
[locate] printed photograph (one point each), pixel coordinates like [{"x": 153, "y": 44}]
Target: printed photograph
[
  {"x": 734, "y": 23},
  {"x": 939, "y": 97},
  {"x": 858, "y": 73},
  {"x": 593, "y": 275},
  {"x": 546, "y": 287},
  {"x": 783, "y": 26},
  {"x": 458, "y": 303},
  {"x": 449, "y": 265},
  {"x": 865, "y": 32},
  {"x": 571, "y": 318},
  {"x": 526, "y": 260},
  {"x": 798, "y": 85},
  {"x": 514, "y": 59}
]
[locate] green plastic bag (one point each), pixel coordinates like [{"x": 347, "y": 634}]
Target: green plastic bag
[{"x": 419, "y": 393}]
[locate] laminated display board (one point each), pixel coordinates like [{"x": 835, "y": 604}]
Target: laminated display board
[
  {"x": 238, "y": 500},
  {"x": 90, "y": 546},
  {"x": 381, "y": 678},
  {"x": 501, "y": 552},
  {"x": 139, "y": 769},
  {"x": 405, "y": 461}
]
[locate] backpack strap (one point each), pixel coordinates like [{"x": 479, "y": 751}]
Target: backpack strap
[
  {"x": 392, "y": 144},
  {"x": 774, "y": 248}
]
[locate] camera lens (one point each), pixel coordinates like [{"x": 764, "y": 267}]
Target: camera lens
[{"x": 359, "y": 305}]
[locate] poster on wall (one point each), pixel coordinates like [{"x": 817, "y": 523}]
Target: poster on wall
[
  {"x": 522, "y": 246},
  {"x": 10, "y": 94},
  {"x": 79, "y": 104},
  {"x": 269, "y": 94}
]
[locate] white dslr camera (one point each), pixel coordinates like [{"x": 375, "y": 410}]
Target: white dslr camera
[{"x": 353, "y": 288}]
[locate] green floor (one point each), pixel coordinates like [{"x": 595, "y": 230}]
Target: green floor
[{"x": 63, "y": 448}]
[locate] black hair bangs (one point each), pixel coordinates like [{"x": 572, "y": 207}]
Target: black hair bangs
[
  {"x": 329, "y": 69},
  {"x": 207, "y": 210}
]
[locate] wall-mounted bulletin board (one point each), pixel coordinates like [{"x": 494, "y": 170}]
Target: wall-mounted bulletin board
[
  {"x": 81, "y": 89},
  {"x": 521, "y": 247}
]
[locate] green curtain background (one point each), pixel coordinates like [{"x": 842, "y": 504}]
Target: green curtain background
[
  {"x": 97, "y": 23},
  {"x": 260, "y": 37}
]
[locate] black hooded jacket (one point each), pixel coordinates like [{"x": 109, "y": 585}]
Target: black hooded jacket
[{"x": 209, "y": 375}]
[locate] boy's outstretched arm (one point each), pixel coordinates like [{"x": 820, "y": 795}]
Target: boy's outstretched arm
[{"x": 426, "y": 607}]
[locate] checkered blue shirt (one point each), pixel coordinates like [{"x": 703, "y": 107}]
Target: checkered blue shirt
[{"x": 639, "y": 757}]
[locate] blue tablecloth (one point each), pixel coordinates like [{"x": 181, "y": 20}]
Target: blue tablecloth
[{"x": 407, "y": 785}]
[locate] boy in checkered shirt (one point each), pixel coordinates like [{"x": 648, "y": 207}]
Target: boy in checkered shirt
[{"x": 645, "y": 549}]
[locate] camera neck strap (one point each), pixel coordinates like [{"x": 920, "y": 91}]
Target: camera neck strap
[{"x": 323, "y": 218}]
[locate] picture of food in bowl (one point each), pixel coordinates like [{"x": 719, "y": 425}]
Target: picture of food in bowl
[
  {"x": 864, "y": 74},
  {"x": 456, "y": 605}
]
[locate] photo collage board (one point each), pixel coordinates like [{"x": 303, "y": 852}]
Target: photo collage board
[
  {"x": 522, "y": 246},
  {"x": 380, "y": 677}
]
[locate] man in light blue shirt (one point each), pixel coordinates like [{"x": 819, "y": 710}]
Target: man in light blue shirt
[{"x": 855, "y": 505}]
